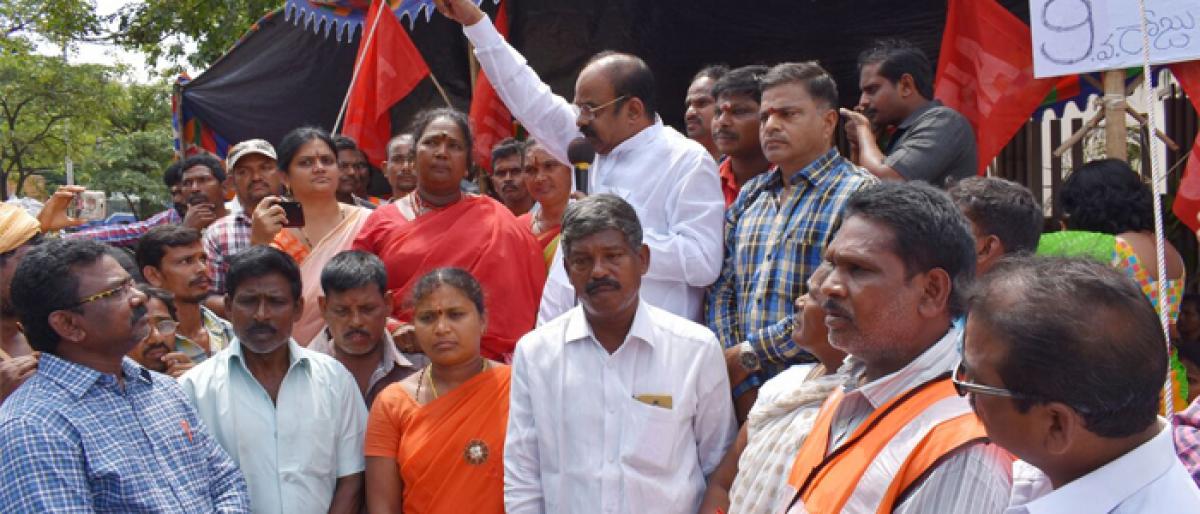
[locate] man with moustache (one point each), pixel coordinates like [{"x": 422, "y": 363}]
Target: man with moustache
[
  {"x": 156, "y": 352},
  {"x": 203, "y": 185},
  {"x": 18, "y": 361},
  {"x": 932, "y": 142},
  {"x": 670, "y": 180},
  {"x": 617, "y": 406},
  {"x": 356, "y": 304},
  {"x": 352, "y": 165},
  {"x": 895, "y": 436},
  {"x": 506, "y": 179},
  {"x": 735, "y": 128},
  {"x": 777, "y": 229},
  {"x": 399, "y": 166},
  {"x": 701, "y": 106},
  {"x": 251, "y": 164},
  {"x": 92, "y": 431},
  {"x": 292, "y": 419},
  {"x": 171, "y": 257}
]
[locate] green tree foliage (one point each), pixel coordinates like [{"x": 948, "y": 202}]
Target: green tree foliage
[
  {"x": 129, "y": 158},
  {"x": 151, "y": 26},
  {"x": 48, "y": 111},
  {"x": 58, "y": 21}
]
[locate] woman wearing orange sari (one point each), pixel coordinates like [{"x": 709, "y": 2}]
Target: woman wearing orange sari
[
  {"x": 438, "y": 225},
  {"x": 434, "y": 440},
  {"x": 310, "y": 170},
  {"x": 549, "y": 183}
]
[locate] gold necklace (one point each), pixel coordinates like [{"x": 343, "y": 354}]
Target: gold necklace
[{"x": 433, "y": 387}]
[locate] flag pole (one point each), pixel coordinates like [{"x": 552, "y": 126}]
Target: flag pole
[{"x": 358, "y": 65}]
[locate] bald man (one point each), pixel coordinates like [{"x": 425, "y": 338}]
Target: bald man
[{"x": 670, "y": 180}]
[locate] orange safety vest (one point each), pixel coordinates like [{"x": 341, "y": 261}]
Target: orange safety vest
[{"x": 825, "y": 483}]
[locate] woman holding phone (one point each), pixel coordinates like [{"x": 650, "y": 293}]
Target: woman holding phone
[{"x": 322, "y": 226}]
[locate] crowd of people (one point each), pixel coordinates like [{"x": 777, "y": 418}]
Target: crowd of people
[{"x": 739, "y": 319}]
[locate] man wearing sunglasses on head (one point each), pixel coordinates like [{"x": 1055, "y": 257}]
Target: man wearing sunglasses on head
[
  {"x": 1064, "y": 361},
  {"x": 92, "y": 431}
]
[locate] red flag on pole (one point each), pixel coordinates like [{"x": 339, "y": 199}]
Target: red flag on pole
[
  {"x": 985, "y": 72},
  {"x": 490, "y": 119},
  {"x": 1187, "y": 199},
  {"x": 389, "y": 67}
]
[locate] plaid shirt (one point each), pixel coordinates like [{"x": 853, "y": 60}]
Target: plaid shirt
[
  {"x": 73, "y": 440},
  {"x": 774, "y": 239},
  {"x": 126, "y": 235},
  {"x": 1187, "y": 439},
  {"x": 222, "y": 240}
]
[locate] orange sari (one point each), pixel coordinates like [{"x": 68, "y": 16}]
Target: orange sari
[{"x": 450, "y": 451}]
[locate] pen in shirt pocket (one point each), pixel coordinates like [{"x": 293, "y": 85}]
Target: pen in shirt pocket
[{"x": 187, "y": 429}]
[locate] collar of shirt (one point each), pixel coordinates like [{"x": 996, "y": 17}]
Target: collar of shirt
[
  {"x": 935, "y": 360},
  {"x": 1102, "y": 490},
  {"x": 295, "y": 356},
  {"x": 77, "y": 379},
  {"x": 814, "y": 173},
  {"x": 638, "y": 140},
  {"x": 642, "y": 329},
  {"x": 912, "y": 118}
]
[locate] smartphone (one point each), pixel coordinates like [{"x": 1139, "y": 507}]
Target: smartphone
[
  {"x": 88, "y": 205},
  {"x": 294, "y": 213}
]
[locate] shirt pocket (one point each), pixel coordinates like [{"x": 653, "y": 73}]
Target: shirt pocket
[{"x": 655, "y": 436}]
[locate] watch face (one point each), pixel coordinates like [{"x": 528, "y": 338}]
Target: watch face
[{"x": 749, "y": 361}]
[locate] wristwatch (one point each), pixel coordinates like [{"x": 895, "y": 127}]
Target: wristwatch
[{"x": 748, "y": 358}]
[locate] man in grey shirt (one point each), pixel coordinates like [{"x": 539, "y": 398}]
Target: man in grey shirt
[{"x": 931, "y": 142}]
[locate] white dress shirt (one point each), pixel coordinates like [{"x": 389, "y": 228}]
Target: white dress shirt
[
  {"x": 1148, "y": 479},
  {"x": 670, "y": 180},
  {"x": 974, "y": 480},
  {"x": 579, "y": 440},
  {"x": 291, "y": 451}
]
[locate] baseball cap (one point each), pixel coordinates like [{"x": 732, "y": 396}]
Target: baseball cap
[{"x": 247, "y": 147}]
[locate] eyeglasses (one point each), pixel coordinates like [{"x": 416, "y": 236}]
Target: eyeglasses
[
  {"x": 125, "y": 287},
  {"x": 588, "y": 113},
  {"x": 962, "y": 386},
  {"x": 164, "y": 325}
]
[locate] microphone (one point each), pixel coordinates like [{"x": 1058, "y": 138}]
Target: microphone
[{"x": 581, "y": 155}]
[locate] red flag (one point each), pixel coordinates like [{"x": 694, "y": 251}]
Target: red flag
[
  {"x": 985, "y": 72},
  {"x": 388, "y": 70},
  {"x": 1187, "y": 199},
  {"x": 490, "y": 119}
]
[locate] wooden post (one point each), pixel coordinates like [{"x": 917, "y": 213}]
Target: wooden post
[{"x": 1114, "y": 115}]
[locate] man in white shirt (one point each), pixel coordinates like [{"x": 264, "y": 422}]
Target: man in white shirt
[
  {"x": 1064, "y": 361},
  {"x": 617, "y": 406},
  {"x": 669, "y": 179},
  {"x": 292, "y": 419}
]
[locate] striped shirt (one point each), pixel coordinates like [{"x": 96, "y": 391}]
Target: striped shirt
[
  {"x": 222, "y": 240},
  {"x": 73, "y": 439},
  {"x": 774, "y": 239},
  {"x": 126, "y": 235}
]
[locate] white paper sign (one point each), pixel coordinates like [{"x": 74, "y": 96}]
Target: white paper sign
[{"x": 1077, "y": 36}]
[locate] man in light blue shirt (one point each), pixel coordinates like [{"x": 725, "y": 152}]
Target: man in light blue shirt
[{"x": 292, "y": 419}]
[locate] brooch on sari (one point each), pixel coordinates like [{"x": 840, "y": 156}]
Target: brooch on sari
[{"x": 476, "y": 452}]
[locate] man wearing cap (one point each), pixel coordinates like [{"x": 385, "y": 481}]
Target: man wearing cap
[
  {"x": 17, "y": 360},
  {"x": 254, "y": 175}
]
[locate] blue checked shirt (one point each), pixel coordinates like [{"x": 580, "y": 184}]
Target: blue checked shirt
[
  {"x": 71, "y": 440},
  {"x": 774, "y": 239}
]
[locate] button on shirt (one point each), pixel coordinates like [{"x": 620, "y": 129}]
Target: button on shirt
[
  {"x": 580, "y": 441},
  {"x": 292, "y": 451},
  {"x": 1148, "y": 479},
  {"x": 72, "y": 439},
  {"x": 670, "y": 180}
]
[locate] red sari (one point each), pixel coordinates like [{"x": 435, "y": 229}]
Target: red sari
[
  {"x": 450, "y": 452},
  {"x": 477, "y": 234}
]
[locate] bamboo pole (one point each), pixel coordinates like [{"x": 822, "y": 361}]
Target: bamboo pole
[{"x": 1114, "y": 115}]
